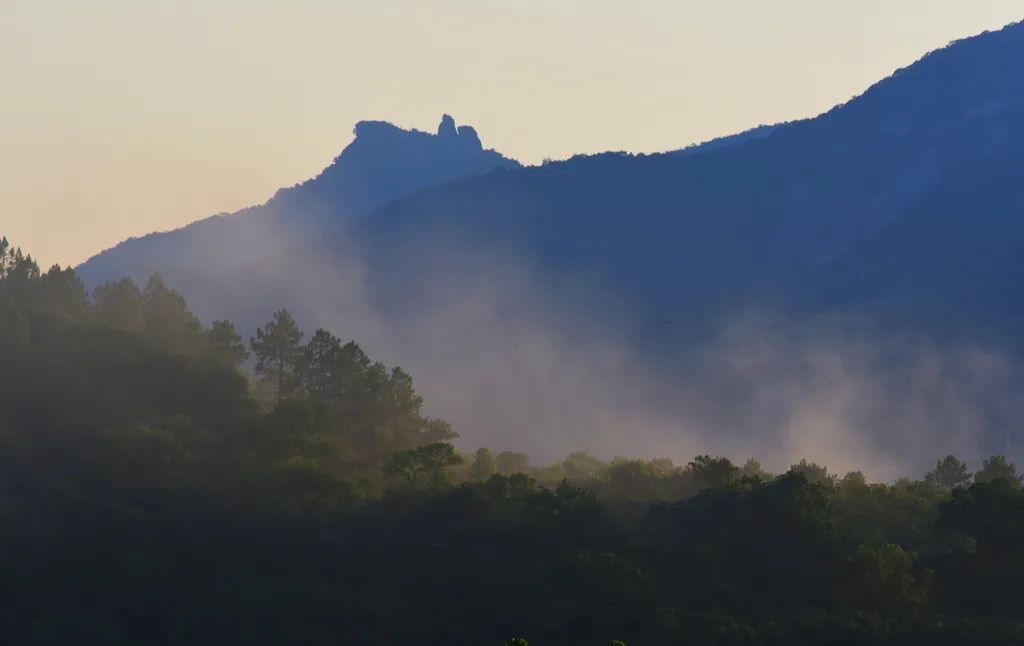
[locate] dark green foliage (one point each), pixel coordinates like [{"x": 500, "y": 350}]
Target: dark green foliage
[
  {"x": 509, "y": 462},
  {"x": 484, "y": 465},
  {"x": 713, "y": 472},
  {"x": 118, "y": 305},
  {"x": 752, "y": 469},
  {"x": 225, "y": 344},
  {"x": 813, "y": 472},
  {"x": 998, "y": 468},
  {"x": 167, "y": 323},
  {"x": 146, "y": 497},
  {"x": 321, "y": 365},
  {"x": 877, "y": 514},
  {"x": 980, "y": 563},
  {"x": 423, "y": 466},
  {"x": 949, "y": 473},
  {"x": 648, "y": 480},
  {"x": 278, "y": 353},
  {"x": 581, "y": 466}
]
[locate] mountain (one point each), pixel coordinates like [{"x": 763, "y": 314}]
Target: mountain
[
  {"x": 381, "y": 164},
  {"x": 877, "y": 246},
  {"x": 905, "y": 205},
  {"x": 717, "y": 143},
  {"x": 904, "y": 201},
  {"x": 385, "y": 162}
]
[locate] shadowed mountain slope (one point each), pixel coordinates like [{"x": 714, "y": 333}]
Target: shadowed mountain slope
[
  {"x": 382, "y": 163},
  {"x": 544, "y": 304},
  {"x": 903, "y": 205}
]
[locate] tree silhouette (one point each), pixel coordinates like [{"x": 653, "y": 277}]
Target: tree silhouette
[
  {"x": 119, "y": 305},
  {"x": 813, "y": 472},
  {"x": 278, "y": 353},
  {"x": 752, "y": 469},
  {"x": 167, "y": 322},
  {"x": 509, "y": 462},
  {"x": 713, "y": 472},
  {"x": 948, "y": 474},
  {"x": 998, "y": 467},
  {"x": 484, "y": 465},
  {"x": 225, "y": 343},
  {"x": 320, "y": 359},
  {"x": 424, "y": 465}
]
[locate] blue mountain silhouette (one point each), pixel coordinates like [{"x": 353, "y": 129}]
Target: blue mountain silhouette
[
  {"x": 904, "y": 205},
  {"x": 381, "y": 164}
]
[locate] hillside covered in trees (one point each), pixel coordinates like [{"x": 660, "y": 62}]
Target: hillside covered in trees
[{"x": 167, "y": 482}]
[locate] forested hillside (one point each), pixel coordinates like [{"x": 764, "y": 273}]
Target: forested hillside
[{"x": 166, "y": 482}]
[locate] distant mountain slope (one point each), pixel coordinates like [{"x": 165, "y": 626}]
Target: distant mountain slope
[
  {"x": 545, "y": 304},
  {"x": 904, "y": 202},
  {"x": 718, "y": 143},
  {"x": 382, "y": 163},
  {"x": 385, "y": 162}
]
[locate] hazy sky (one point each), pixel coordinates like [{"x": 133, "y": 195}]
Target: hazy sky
[{"x": 120, "y": 117}]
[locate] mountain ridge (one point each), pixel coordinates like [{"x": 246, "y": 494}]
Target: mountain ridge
[
  {"x": 744, "y": 220},
  {"x": 814, "y": 193},
  {"x": 383, "y": 162},
  {"x": 891, "y": 225}
]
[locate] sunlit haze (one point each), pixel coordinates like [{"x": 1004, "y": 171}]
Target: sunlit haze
[{"x": 118, "y": 118}]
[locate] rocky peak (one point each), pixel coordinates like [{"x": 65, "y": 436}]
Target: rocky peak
[
  {"x": 463, "y": 135},
  {"x": 447, "y": 127},
  {"x": 468, "y": 137}
]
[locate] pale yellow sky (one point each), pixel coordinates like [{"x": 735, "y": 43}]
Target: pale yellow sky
[{"x": 120, "y": 117}]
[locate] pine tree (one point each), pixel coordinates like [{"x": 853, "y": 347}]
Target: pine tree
[
  {"x": 225, "y": 345},
  {"x": 278, "y": 352}
]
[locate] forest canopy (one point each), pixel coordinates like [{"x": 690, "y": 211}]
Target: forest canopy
[{"x": 168, "y": 481}]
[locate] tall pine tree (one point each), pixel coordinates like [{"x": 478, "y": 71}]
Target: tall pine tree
[{"x": 278, "y": 351}]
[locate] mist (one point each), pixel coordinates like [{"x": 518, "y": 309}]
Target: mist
[{"x": 512, "y": 360}]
